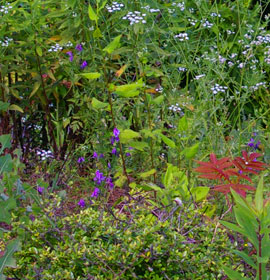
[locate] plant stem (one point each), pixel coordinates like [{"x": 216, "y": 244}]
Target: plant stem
[{"x": 260, "y": 251}]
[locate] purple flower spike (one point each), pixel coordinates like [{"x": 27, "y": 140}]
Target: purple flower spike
[
  {"x": 99, "y": 177},
  {"x": 80, "y": 159},
  {"x": 81, "y": 203},
  {"x": 109, "y": 165},
  {"x": 251, "y": 142},
  {"x": 84, "y": 64},
  {"x": 70, "y": 54},
  {"x": 128, "y": 154},
  {"x": 257, "y": 145},
  {"x": 40, "y": 189},
  {"x": 101, "y": 156},
  {"x": 95, "y": 155},
  {"x": 114, "y": 151},
  {"x": 112, "y": 140},
  {"x": 109, "y": 183},
  {"x": 79, "y": 48},
  {"x": 95, "y": 193},
  {"x": 116, "y": 132}
]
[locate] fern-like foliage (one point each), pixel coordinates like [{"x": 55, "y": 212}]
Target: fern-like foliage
[{"x": 229, "y": 172}]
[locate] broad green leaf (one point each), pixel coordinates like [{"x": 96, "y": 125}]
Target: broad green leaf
[
  {"x": 7, "y": 259},
  {"x": 128, "y": 134},
  {"x": 167, "y": 141},
  {"x": 97, "y": 33},
  {"x": 115, "y": 44},
  {"x": 233, "y": 275},
  {"x": 158, "y": 100},
  {"x": 39, "y": 51},
  {"x": 167, "y": 179},
  {"x": 259, "y": 196},
  {"x": 98, "y": 104},
  {"x": 128, "y": 93},
  {"x": 5, "y": 163},
  {"x": 129, "y": 87},
  {"x": 246, "y": 258},
  {"x": 5, "y": 141},
  {"x": 182, "y": 124},
  {"x": 92, "y": 14},
  {"x": 35, "y": 88},
  {"x": 91, "y": 76},
  {"x": 138, "y": 145},
  {"x": 200, "y": 193},
  {"x": 15, "y": 107},
  {"x": 191, "y": 152},
  {"x": 233, "y": 227},
  {"x": 147, "y": 173},
  {"x": 4, "y": 106}
]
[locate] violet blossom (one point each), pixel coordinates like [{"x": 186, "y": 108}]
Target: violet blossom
[
  {"x": 70, "y": 54},
  {"x": 80, "y": 159},
  {"x": 84, "y": 64},
  {"x": 40, "y": 189},
  {"x": 81, "y": 203},
  {"x": 79, "y": 48},
  {"x": 95, "y": 193},
  {"x": 99, "y": 177}
]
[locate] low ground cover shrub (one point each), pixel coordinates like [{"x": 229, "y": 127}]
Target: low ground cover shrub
[{"x": 96, "y": 244}]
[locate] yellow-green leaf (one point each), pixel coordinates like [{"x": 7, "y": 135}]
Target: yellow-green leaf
[
  {"x": 15, "y": 107},
  {"x": 91, "y": 76},
  {"x": 98, "y": 104},
  {"x": 148, "y": 173},
  {"x": 35, "y": 89},
  {"x": 39, "y": 51},
  {"x": 128, "y": 134},
  {"x": 167, "y": 141},
  {"x": 92, "y": 14},
  {"x": 113, "y": 45}
]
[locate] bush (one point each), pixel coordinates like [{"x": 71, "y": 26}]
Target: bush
[{"x": 108, "y": 245}]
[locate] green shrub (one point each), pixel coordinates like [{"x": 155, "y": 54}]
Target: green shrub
[{"x": 100, "y": 245}]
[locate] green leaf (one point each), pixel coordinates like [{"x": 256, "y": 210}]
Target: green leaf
[
  {"x": 200, "y": 193},
  {"x": 39, "y": 51},
  {"x": 246, "y": 258},
  {"x": 4, "y": 106},
  {"x": 129, "y": 87},
  {"x": 15, "y": 107},
  {"x": 92, "y": 14},
  {"x": 190, "y": 152},
  {"x": 147, "y": 173},
  {"x": 127, "y": 135},
  {"x": 98, "y": 104},
  {"x": 5, "y": 141},
  {"x": 115, "y": 44},
  {"x": 6, "y": 163},
  {"x": 182, "y": 124},
  {"x": 97, "y": 33},
  {"x": 167, "y": 140},
  {"x": 158, "y": 100},
  {"x": 91, "y": 76},
  {"x": 259, "y": 196},
  {"x": 128, "y": 93},
  {"x": 138, "y": 145},
  {"x": 35, "y": 88},
  {"x": 7, "y": 259},
  {"x": 233, "y": 227},
  {"x": 233, "y": 275}
]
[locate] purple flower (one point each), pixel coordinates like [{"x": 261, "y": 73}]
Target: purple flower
[
  {"x": 101, "y": 156},
  {"x": 79, "y": 48},
  {"x": 114, "y": 151},
  {"x": 80, "y": 159},
  {"x": 84, "y": 64},
  {"x": 81, "y": 203},
  {"x": 116, "y": 132},
  {"x": 109, "y": 165},
  {"x": 112, "y": 140},
  {"x": 99, "y": 177},
  {"x": 251, "y": 142},
  {"x": 70, "y": 54},
  {"x": 130, "y": 148},
  {"x": 128, "y": 154},
  {"x": 95, "y": 193},
  {"x": 109, "y": 183},
  {"x": 40, "y": 189},
  {"x": 95, "y": 155},
  {"x": 257, "y": 145}
]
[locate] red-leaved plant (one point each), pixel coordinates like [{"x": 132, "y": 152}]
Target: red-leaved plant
[{"x": 229, "y": 172}]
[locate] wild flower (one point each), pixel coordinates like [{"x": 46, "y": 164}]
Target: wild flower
[
  {"x": 81, "y": 203},
  {"x": 114, "y": 7},
  {"x": 80, "y": 159},
  {"x": 99, "y": 177},
  {"x": 109, "y": 183},
  {"x": 135, "y": 17},
  {"x": 6, "y": 42},
  {"x": 84, "y": 64},
  {"x": 40, "y": 189},
  {"x": 79, "y": 48},
  {"x": 177, "y": 109},
  {"x": 114, "y": 151},
  {"x": 128, "y": 154},
  {"x": 95, "y": 155},
  {"x": 55, "y": 48},
  {"x": 5, "y": 9},
  {"x": 182, "y": 36},
  {"x": 218, "y": 88},
  {"x": 95, "y": 192},
  {"x": 70, "y": 54},
  {"x": 116, "y": 134}
]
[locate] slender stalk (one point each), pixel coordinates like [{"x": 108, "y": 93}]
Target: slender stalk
[{"x": 260, "y": 251}]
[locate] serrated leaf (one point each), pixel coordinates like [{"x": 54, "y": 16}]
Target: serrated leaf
[
  {"x": 98, "y": 104},
  {"x": 147, "y": 173},
  {"x": 115, "y": 44},
  {"x": 15, "y": 107},
  {"x": 5, "y": 163},
  {"x": 92, "y": 14},
  {"x": 91, "y": 76}
]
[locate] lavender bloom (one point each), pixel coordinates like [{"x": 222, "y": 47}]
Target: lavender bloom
[
  {"x": 128, "y": 154},
  {"x": 114, "y": 151},
  {"x": 99, "y": 177},
  {"x": 81, "y": 203},
  {"x": 80, "y": 159},
  {"x": 109, "y": 165},
  {"x": 95, "y": 155},
  {"x": 116, "y": 132},
  {"x": 84, "y": 64},
  {"x": 95, "y": 193},
  {"x": 70, "y": 54},
  {"x": 40, "y": 189},
  {"x": 101, "y": 156},
  {"x": 109, "y": 183},
  {"x": 79, "y": 48},
  {"x": 112, "y": 140}
]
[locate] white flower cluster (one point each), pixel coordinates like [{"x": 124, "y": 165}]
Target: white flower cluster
[
  {"x": 257, "y": 86},
  {"x": 267, "y": 56},
  {"x": 198, "y": 77},
  {"x": 55, "y": 48},
  {"x": 180, "y": 5},
  {"x": 114, "y": 7},
  {"x": 135, "y": 17},
  {"x": 182, "y": 36},
  {"x": 182, "y": 69},
  {"x": 215, "y": 15},
  {"x": 5, "y": 9},
  {"x": 68, "y": 44},
  {"x": 261, "y": 40},
  {"x": 37, "y": 127},
  {"x": 6, "y": 41},
  {"x": 45, "y": 154},
  {"x": 176, "y": 108},
  {"x": 218, "y": 88},
  {"x": 151, "y": 10},
  {"x": 159, "y": 89},
  {"x": 229, "y": 32},
  {"x": 221, "y": 59},
  {"x": 192, "y": 21},
  {"x": 206, "y": 23}
]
